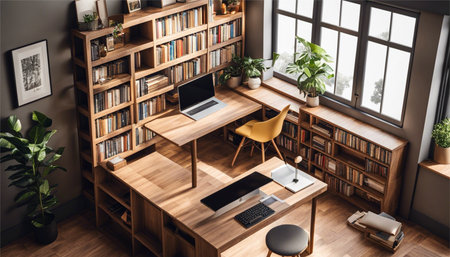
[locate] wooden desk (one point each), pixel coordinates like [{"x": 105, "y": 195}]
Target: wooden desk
[
  {"x": 163, "y": 203},
  {"x": 180, "y": 129}
]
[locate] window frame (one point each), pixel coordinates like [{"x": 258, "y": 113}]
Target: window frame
[{"x": 360, "y": 58}]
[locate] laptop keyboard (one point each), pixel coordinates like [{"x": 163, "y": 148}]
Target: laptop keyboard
[{"x": 202, "y": 107}]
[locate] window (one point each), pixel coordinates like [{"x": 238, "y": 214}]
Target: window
[{"x": 372, "y": 47}]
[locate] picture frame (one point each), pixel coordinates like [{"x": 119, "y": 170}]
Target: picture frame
[
  {"x": 102, "y": 13},
  {"x": 32, "y": 72},
  {"x": 134, "y": 5},
  {"x": 85, "y": 7}
]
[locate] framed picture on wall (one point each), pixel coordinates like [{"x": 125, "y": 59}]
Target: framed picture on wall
[
  {"x": 133, "y": 5},
  {"x": 32, "y": 72}
]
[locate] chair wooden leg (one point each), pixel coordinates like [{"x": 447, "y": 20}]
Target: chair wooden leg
[
  {"x": 269, "y": 253},
  {"x": 276, "y": 148},
  {"x": 263, "y": 152},
  {"x": 253, "y": 147},
  {"x": 238, "y": 150}
]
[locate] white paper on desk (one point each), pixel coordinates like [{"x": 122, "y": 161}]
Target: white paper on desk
[{"x": 285, "y": 174}]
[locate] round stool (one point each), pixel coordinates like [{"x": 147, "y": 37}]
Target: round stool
[{"x": 287, "y": 240}]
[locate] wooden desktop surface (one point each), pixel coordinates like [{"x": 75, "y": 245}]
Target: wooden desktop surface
[
  {"x": 180, "y": 129},
  {"x": 167, "y": 185}
]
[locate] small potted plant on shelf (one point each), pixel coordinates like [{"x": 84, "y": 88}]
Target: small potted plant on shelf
[
  {"x": 441, "y": 136},
  {"x": 253, "y": 69},
  {"x": 35, "y": 160},
  {"x": 119, "y": 36},
  {"x": 312, "y": 65},
  {"x": 91, "y": 20},
  {"x": 232, "y": 75}
]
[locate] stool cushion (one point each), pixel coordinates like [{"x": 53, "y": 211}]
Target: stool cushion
[{"x": 287, "y": 240}]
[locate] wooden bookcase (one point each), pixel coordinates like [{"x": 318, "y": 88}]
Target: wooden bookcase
[{"x": 141, "y": 46}]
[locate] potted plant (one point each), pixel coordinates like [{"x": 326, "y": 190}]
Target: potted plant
[
  {"x": 91, "y": 20},
  {"x": 232, "y": 75},
  {"x": 312, "y": 65},
  {"x": 34, "y": 162},
  {"x": 441, "y": 136},
  {"x": 119, "y": 36},
  {"x": 252, "y": 69}
]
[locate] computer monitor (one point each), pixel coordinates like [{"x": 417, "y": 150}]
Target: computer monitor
[{"x": 196, "y": 91}]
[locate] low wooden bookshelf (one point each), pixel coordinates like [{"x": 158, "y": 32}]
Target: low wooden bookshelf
[{"x": 110, "y": 109}]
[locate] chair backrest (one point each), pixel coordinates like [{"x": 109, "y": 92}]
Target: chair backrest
[{"x": 267, "y": 130}]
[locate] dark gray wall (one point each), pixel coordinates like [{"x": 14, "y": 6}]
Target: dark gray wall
[{"x": 22, "y": 23}]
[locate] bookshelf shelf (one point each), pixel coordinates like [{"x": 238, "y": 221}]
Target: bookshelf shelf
[
  {"x": 221, "y": 19},
  {"x": 223, "y": 44},
  {"x": 116, "y": 81},
  {"x": 155, "y": 93},
  {"x": 181, "y": 34},
  {"x": 150, "y": 242},
  {"x": 112, "y": 109},
  {"x": 113, "y": 134},
  {"x": 116, "y": 193},
  {"x": 88, "y": 175},
  {"x": 127, "y": 49},
  {"x": 115, "y": 218}
]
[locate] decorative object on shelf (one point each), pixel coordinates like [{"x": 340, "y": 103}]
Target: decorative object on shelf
[
  {"x": 223, "y": 9},
  {"x": 441, "y": 136},
  {"x": 31, "y": 72},
  {"x": 35, "y": 161},
  {"x": 119, "y": 36},
  {"x": 253, "y": 69},
  {"x": 233, "y": 6},
  {"x": 102, "y": 13},
  {"x": 312, "y": 65},
  {"x": 110, "y": 43},
  {"x": 163, "y": 3},
  {"x": 232, "y": 75},
  {"x": 84, "y": 7},
  {"x": 133, "y": 5},
  {"x": 91, "y": 20}
]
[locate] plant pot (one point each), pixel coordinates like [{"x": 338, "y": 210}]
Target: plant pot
[
  {"x": 93, "y": 25},
  {"x": 441, "y": 155},
  {"x": 234, "y": 82},
  {"x": 48, "y": 233},
  {"x": 312, "y": 101},
  {"x": 254, "y": 83}
]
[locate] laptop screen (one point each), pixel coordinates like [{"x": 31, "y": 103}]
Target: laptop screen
[{"x": 196, "y": 91}]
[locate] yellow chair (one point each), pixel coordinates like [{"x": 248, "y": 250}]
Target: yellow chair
[{"x": 262, "y": 132}]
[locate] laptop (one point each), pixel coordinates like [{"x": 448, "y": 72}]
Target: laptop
[{"x": 197, "y": 98}]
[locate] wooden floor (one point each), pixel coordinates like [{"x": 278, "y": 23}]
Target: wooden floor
[{"x": 79, "y": 237}]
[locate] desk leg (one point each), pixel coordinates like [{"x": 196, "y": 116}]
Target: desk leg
[
  {"x": 194, "y": 162},
  {"x": 312, "y": 227}
]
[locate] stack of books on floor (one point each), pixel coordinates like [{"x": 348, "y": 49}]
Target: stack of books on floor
[{"x": 381, "y": 228}]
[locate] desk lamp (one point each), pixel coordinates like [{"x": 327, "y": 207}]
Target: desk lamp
[{"x": 297, "y": 160}]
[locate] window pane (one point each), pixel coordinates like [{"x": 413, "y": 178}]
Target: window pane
[
  {"x": 403, "y": 29},
  {"x": 330, "y": 11},
  {"x": 329, "y": 43},
  {"x": 304, "y": 30},
  {"x": 305, "y": 7},
  {"x": 350, "y": 15},
  {"x": 395, "y": 85},
  {"x": 346, "y": 65},
  {"x": 287, "y": 5},
  {"x": 373, "y": 76},
  {"x": 285, "y": 43},
  {"x": 380, "y": 21}
]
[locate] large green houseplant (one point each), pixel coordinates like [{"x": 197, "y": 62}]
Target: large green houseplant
[
  {"x": 312, "y": 65},
  {"x": 441, "y": 136},
  {"x": 35, "y": 160}
]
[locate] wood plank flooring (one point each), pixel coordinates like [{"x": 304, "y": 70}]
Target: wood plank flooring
[{"x": 79, "y": 237}]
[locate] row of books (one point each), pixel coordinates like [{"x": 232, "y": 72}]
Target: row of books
[
  {"x": 325, "y": 161},
  {"x": 339, "y": 186},
  {"x": 322, "y": 144},
  {"x": 323, "y": 128},
  {"x": 361, "y": 145},
  {"x": 114, "y": 146},
  {"x": 349, "y": 173},
  {"x": 152, "y": 106},
  {"x": 376, "y": 168},
  {"x": 225, "y": 32},
  {"x": 138, "y": 60},
  {"x": 186, "y": 70},
  {"x": 290, "y": 128},
  {"x": 374, "y": 184},
  {"x": 304, "y": 152},
  {"x": 179, "y": 22},
  {"x": 180, "y": 47},
  {"x": 318, "y": 173},
  {"x": 287, "y": 143},
  {"x": 304, "y": 135},
  {"x": 150, "y": 84},
  {"x": 216, "y": 76},
  {"x": 224, "y": 55},
  {"x": 107, "y": 71},
  {"x": 143, "y": 135},
  {"x": 112, "y": 97},
  {"x": 111, "y": 122}
]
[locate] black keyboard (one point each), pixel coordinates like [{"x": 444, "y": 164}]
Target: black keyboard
[
  {"x": 253, "y": 215},
  {"x": 202, "y": 107}
]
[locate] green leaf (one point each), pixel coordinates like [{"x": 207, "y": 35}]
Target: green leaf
[
  {"x": 44, "y": 188},
  {"x": 307, "y": 72},
  {"x": 48, "y": 135},
  {"x": 22, "y": 183},
  {"x": 31, "y": 208},
  {"x": 6, "y": 144},
  {"x": 6, "y": 157},
  {"x": 56, "y": 156},
  {"x": 40, "y": 118},
  {"x": 14, "y": 123},
  {"x": 41, "y": 155},
  {"x": 20, "y": 174},
  {"x": 36, "y": 134},
  {"x": 37, "y": 224},
  {"x": 24, "y": 195},
  {"x": 20, "y": 143},
  {"x": 18, "y": 167}
]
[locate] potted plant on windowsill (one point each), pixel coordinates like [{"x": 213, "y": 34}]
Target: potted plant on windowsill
[
  {"x": 253, "y": 69},
  {"x": 441, "y": 136},
  {"x": 312, "y": 65},
  {"x": 232, "y": 75},
  {"x": 35, "y": 161}
]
